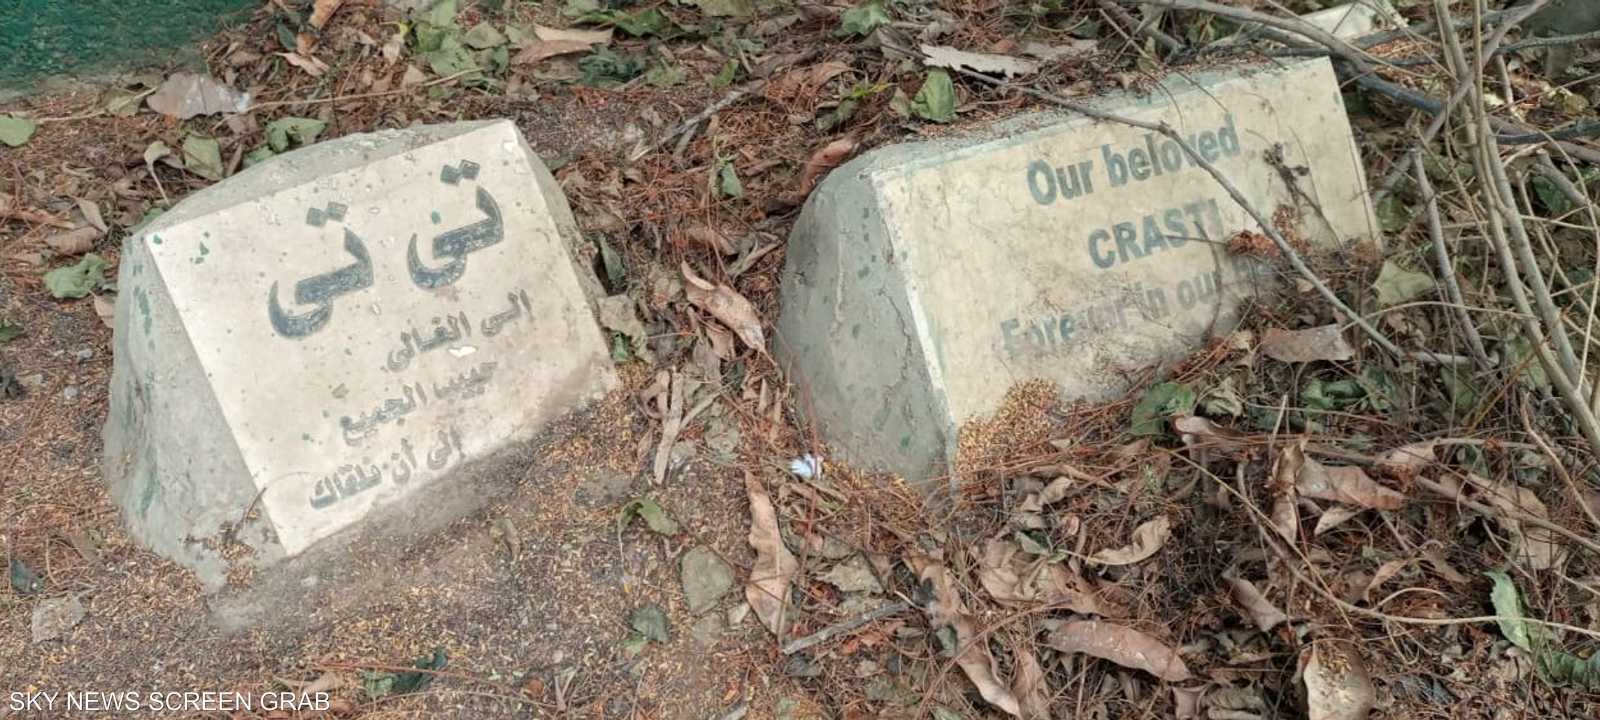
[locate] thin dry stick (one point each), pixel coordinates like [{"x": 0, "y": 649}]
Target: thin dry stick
[
  {"x": 1578, "y": 197},
  {"x": 1116, "y": 11},
  {"x": 1447, "y": 270},
  {"x": 837, "y": 629},
  {"x": 1486, "y": 158},
  {"x": 1356, "y": 56},
  {"x": 1560, "y": 467}
]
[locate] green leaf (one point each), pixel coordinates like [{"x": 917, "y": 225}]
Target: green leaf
[
  {"x": 1393, "y": 215},
  {"x": 1459, "y": 388},
  {"x": 654, "y": 517},
  {"x": 76, "y": 281},
  {"x": 9, "y": 331},
  {"x": 377, "y": 683},
  {"x": 296, "y": 130},
  {"x": 1519, "y": 353},
  {"x": 441, "y": 14},
  {"x": 650, "y": 622},
  {"x": 24, "y": 580},
  {"x": 1319, "y": 394},
  {"x": 642, "y": 23},
  {"x": 616, "y": 271},
  {"x": 124, "y": 102},
  {"x": 1550, "y": 194},
  {"x": 409, "y": 682},
  {"x": 664, "y": 75},
  {"x": 258, "y": 155},
  {"x": 483, "y": 36},
  {"x": 936, "y": 101},
  {"x": 619, "y": 348},
  {"x": 15, "y": 131},
  {"x": 863, "y": 19},
  {"x": 728, "y": 181},
  {"x": 838, "y": 115},
  {"x": 1159, "y": 403},
  {"x": 203, "y": 156},
  {"x": 452, "y": 58},
  {"x": 726, "y": 75},
  {"x": 1396, "y": 285},
  {"x": 578, "y": 8},
  {"x": 634, "y": 644},
  {"x": 606, "y": 68},
  {"x": 1508, "y": 606},
  {"x": 725, "y": 8}
]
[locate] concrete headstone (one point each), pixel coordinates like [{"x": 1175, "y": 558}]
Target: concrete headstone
[
  {"x": 925, "y": 280},
  {"x": 327, "y": 332}
]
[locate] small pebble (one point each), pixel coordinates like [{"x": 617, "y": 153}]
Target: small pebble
[
  {"x": 84, "y": 354},
  {"x": 71, "y": 393}
]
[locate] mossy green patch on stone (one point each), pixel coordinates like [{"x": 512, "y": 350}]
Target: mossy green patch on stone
[{"x": 39, "y": 38}]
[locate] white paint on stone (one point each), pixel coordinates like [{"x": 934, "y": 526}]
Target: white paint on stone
[
  {"x": 338, "y": 327},
  {"x": 1352, "y": 20},
  {"x": 926, "y": 280}
]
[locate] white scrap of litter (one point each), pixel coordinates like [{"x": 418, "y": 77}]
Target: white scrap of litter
[
  {"x": 462, "y": 351},
  {"x": 806, "y": 466},
  {"x": 986, "y": 63}
]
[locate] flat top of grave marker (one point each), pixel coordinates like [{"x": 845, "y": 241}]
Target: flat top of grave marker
[
  {"x": 1065, "y": 253},
  {"x": 368, "y": 320}
]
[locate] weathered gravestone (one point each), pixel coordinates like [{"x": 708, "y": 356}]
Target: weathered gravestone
[
  {"x": 925, "y": 280},
  {"x": 324, "y": 334}
]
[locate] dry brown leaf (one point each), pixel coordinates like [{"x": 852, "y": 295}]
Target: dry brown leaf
[
  {"x": 972, "y": 654},
  {"x": 1013, "y": 577},
  {"x": 91, "y": 213},
  {"x": 1030, "y": 687},
  {"x": 1299, "y": 346},
  {"x": 412, "y": 76},
  {"x": 1385, "y": 571},
  {"x": 1286, "y": 467},
  {"x": 671, "y": 421},
  {"x": 986, "y": 63},
  {"x": 711, "y": 238},
  {"x": 545, "y": 49},
  {"x": 9, "y": 208},
  {"x": 1056, "y": 52},
  {"x": 1255, "y": 603},
  {"x": 828, "y": 158},
  {"x": 76, "y": 241},
  {"x": 1122, "y": 645},
  {"x": 106, "y": 309},
  {"x": 1349, "y": 485},
  {"x": 1147, "y": 539},
  {"x": 185, "y": 95},
  {"x": 587, "y": 37},
  {"x": 1337, "y": 684},
  {"x": 728, "y": 306},
  {"x": 1536, "y": 545},
  {"x": 1333, "y": 517},
  {"x": 1204, "y": 437},
  {"x": 1057, "y": 490},
  {"x": 322, "y": 10},
  {"x": 774, "y": 568},
  {"x": 1408, "y": 460},
  {"x": 313, "y": 67}
]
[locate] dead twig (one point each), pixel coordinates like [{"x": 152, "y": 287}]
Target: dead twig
[
  {"x": 1447, "y": 270},
  {"x": 830, "y": 632}
]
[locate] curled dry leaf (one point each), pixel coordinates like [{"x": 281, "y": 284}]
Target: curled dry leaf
[
  {"x": 1311, "y": 345},
  {"x": 1334, "y": 517},
  {"x": 1408, "y": 460},
  {"x": 1255, "y": 603},
  {"x": 1013, "y": 577},
  {"x": 1286, "y": 467},
  {"x": 1348, "y": 485},
  {"x": 545, "y": 49},
  {"x": 711, "y": 238},
  {"x": 322, "y": 11},
  {"x": 1030, "y": 687},
  {"x": 986, "y": 63},
  {"x": 309, "y": 63},
  {"x": 728, "y": 306},
  {"x": 828, "y": 158},
  {"x": 1147, "y": 539},
  {"x": 1204, "y": 437},
  {"x": 946, "y": 610},
  {"x": 185, "y": 95},
  {"x": 1337, "y": 684},
  {"x": 775, "y": 567},
  {"x": 1122, "y": 645},
  {"x": 91, "y": 213},
  {"x": 74, "y": 242},
  {"x": 1536, "y": 546},
  {"x": 1384, "y": 572}
]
